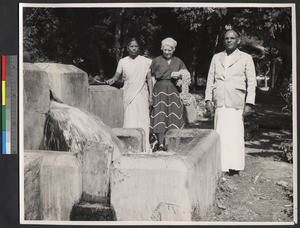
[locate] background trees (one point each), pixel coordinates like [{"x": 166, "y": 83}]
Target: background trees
[{"x": 94, "y": 38}]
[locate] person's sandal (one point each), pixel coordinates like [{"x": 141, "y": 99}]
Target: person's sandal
[
  {"x": 162, "y": 147},
  {"x": 155, "y": 148}
]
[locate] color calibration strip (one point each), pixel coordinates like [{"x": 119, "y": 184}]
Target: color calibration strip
[
  {"x": 3, "y": 108},
  {"x": 9, "y": 104}
]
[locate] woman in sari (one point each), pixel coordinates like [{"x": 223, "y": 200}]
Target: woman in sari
[
  {"x": 137, "y": 89},
  {"x": 167, "y": 111}
]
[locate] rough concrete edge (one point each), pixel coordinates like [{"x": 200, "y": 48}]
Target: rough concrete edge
[
  {"x": 110, "y": 149},
  {"x": 131, "y": 132},
  {"x": 75, "y": 159},
  {"x": 195, "y": 153},
  {"x": 175, "y": 136},
  {"x": 43, "y": 153},
  {"x": 37, "y": 157},
  {"x": 104, "y": 88},
  {"x": 170, "y": 159},
  {"x": 196, "y": 211},
  {"x": 181, "y": 132},
  {"x": 44, "y": 74}
]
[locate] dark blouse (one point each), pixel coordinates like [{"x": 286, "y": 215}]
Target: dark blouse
[{"x": 162, "y": 70}]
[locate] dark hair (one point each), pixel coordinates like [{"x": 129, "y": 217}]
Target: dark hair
[{"x": 132, "y": 39}]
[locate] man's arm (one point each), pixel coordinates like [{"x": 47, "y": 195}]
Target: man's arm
[
  {"x": 251, "y": 85},
  {"x": 251, "y": 81},
  {"x": 210, "y": 80},
  {"x": 210, "y": 85}
]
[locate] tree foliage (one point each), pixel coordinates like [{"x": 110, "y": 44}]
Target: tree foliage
[{"x": 94, "y": 38}]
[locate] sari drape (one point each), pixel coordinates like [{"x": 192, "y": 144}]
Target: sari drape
[{"x": 135, "y": 94}]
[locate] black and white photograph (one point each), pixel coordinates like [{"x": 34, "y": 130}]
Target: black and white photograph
[{"x": 157, "y": 113}]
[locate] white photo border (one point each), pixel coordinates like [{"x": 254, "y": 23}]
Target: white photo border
[{"x": 155, "y": 5}]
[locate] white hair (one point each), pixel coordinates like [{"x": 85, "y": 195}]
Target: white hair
[{"x": 168, "y": 42}]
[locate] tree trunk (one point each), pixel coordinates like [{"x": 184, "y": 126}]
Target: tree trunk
[
  {"x": 193, "y": 68},
  {"x": 274, "y": 73},
  {"x": 99, "y": 64},
  {"x": 266, "y": 74},
  {"x": 125, "y": 38},
  {"x": 117, "y": 37},
  {"x": 216, "y": 43},
  {"x": 193, "y": 79}
]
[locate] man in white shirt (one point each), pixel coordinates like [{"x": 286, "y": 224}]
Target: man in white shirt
[{"x": 231, "y": 84}]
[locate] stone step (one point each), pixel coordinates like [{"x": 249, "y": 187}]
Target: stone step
[{"x": 85, "y": 211}]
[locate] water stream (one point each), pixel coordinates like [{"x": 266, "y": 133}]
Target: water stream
[{"x": 68, "y": 129}]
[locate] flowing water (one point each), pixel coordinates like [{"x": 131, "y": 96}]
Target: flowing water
[{"x": 68, "y": 129}]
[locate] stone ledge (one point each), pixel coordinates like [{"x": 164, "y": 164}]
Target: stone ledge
[
  {"x": 183, "y": 181},
  {"x": 60, "y": 183},
  {"x": 177, "y": 140},
  {"x": 36, "y": 104},
  {"x": 106, "y": 102},
  {"x": 133, "y": 139},
  {"x": 32, "y": 201},
  {"x": 149, "y": 181},
  {"x": 67, "y": 82},
  {"x": 96, "y": 160}
]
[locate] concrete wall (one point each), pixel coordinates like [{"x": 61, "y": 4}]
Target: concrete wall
[
  {"x": 203, "y": 162},
  {"x": 178, "y": 140},
  {"x": 36, "y": 104},
  {"x": 132, "y": 139},
  {"x": 96, "y": 159},
  {"x": 175, "y": 186},
  {"x": 69, "y": 83},
  {"x": 141, "y": 184},
  {"x": 32, "y": 200},
  {"x": 61, "y": 184},
  {"x": 54, "y": 185},
  {"x": 107, "y": 103}
]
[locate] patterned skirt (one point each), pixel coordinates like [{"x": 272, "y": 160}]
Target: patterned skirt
[{"x": 167, "y": 110}]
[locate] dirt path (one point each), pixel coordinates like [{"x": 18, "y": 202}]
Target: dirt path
[
  {"x": 259, "y": 194},
  {"x": 263, "y": 191}
]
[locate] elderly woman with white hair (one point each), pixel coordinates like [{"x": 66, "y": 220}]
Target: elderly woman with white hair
[{"x": 167, "y": 110}]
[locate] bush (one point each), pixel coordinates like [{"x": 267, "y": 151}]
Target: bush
[
  {"x": 287, "y": 151},
  {"x": 286, "y": 93}
]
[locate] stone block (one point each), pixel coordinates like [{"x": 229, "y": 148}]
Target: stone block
[
  {"x": 149, "y": 182},
  {"x": 96, "y": 160},
  {"x": 133, "y": 139},
  {"x": 91, "y": 212},
  {"x": 36, "y": 104},
  {"x": 68, "y": 83},
  {"x": 167, "y": 186},
  {"x": 178, "y": 139},
  {"x": 32, "y": 201},
  {"x": 60, "y": 184},
  {"x": 107, "y": 103},
  {"x": 204, "y": 165}
]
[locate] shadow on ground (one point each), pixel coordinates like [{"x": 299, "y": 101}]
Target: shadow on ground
[{"x": 263, "y": 191}]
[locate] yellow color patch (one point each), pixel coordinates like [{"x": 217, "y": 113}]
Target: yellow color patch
[{"x": 3, "y": 93}]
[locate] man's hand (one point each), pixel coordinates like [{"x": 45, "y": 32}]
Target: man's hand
[
  {"x": 247, "y": 110},
  {"x": 110, "y": 81}
]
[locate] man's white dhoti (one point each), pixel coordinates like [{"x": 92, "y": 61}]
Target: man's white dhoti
[{"x": 229, "y": 124}]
